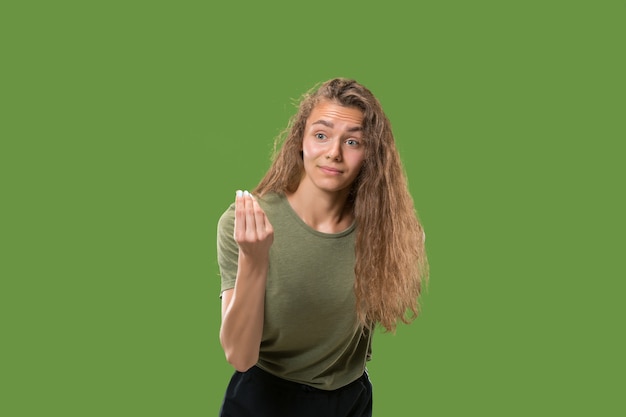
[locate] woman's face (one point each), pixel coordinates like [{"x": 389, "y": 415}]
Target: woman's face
[{"x": 332, "y": 147}]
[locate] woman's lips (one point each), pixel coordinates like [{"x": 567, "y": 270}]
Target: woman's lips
[{"x": 331, "y": 170}]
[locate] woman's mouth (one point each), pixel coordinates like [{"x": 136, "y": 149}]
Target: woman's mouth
[{"x": 330, "y": 170}]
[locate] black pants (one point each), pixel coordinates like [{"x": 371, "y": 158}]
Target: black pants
[{"x": 256, "y": 393}]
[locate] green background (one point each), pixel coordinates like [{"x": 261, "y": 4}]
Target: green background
[{"x": 126, "y": 128}]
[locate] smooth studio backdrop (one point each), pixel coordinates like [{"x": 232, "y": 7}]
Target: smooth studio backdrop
[{"x": 126, "y": 128}]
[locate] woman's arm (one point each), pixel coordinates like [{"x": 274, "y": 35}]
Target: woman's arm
[{"x": 243, "y": 306}]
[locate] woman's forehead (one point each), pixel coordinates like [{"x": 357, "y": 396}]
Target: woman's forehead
[{"x": 330, "y": 113}]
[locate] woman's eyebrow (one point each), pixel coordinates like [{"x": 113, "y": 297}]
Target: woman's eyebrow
[
  {"x": 323, "y": 122},
  {"x": 331, "y": 125}
]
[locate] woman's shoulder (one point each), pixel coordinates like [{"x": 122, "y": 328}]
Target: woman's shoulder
[
  {"x": 271, "y": 199},
  {"x": 277, "y": 209}
]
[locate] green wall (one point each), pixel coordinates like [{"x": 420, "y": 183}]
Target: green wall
[{"x": 126, "y": 128}]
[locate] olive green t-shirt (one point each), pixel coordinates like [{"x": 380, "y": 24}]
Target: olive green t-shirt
[{"x": 311, "y": 334}]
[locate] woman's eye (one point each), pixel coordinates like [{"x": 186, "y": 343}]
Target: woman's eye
[
  {"x": 320, "y": 136},
  {"x": 352, "y": 142}
]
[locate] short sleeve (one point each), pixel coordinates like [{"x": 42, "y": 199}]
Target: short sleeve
[{"x": 227, "y": 249}]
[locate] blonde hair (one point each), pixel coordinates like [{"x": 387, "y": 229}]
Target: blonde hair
[{"x": 391, "y": 262}]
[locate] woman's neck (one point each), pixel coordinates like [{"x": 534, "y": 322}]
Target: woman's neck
[{"x": 322, "y": 211}]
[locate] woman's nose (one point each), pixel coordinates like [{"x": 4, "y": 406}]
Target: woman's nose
[{"x": 335, "y": 151}]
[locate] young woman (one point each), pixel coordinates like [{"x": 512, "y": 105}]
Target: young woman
[{"x": 326, "y": 247}]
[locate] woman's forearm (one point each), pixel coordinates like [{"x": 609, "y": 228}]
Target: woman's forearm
[{"x": 243, "y": 315}]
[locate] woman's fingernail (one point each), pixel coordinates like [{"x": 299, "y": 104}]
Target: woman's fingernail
[
  {"x": 239, "y": 193},
  {"x": 246, "y": 193}
]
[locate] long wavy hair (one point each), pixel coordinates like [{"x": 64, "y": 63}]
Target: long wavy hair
[{"x": 391, "y": 264}]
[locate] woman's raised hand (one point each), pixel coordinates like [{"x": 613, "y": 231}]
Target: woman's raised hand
[{"x": 253, "y": 232}]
